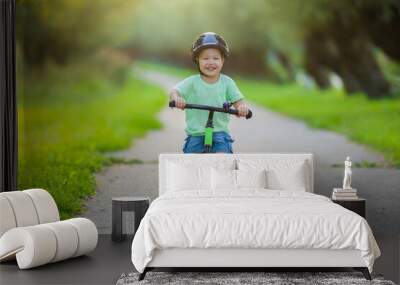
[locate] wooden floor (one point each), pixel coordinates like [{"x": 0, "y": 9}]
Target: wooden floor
[{"x": 110, "y": 259}]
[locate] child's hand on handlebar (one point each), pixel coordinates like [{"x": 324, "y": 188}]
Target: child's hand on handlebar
[
  {"x": 242, "y": 110},
  {"x": 180, "y": 103}
]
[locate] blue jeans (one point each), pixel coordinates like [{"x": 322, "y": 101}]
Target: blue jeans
[{"x": 222, "y": 142}]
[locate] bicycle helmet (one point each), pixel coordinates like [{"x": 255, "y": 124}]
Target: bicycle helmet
[{"x": 209, "y": 40}]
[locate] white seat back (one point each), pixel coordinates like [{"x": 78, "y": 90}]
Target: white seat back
[{"x": 26, "y": 208}]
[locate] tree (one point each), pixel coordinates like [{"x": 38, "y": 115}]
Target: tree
[
  {"x": 342, "y": 47},
  {"x": 59, "y": 29},
  {"x": 335, "y": 39},
  {"x": 381, "y": 19}
]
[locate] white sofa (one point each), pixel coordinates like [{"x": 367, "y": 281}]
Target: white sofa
[{"x": 31, "y": 231}]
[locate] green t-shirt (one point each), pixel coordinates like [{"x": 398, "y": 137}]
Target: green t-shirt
[{"x": 196, "y": 91}]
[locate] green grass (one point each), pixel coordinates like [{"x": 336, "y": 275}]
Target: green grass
[
  {"x": 375, "y": 123},
  {"x": 118, "y": 160},
  {"x": 69, "y": 117}
]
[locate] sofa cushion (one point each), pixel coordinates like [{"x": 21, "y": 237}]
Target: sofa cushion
[
  {"x": 46, "y": 207},
  {"x": 23, "y": 208},
  {"x": 67, "y": 240},
  {"x": 26, "y": 208},
  {"x": 32, "y": 246},
  {"x": 40, "y": 244},
  {"x": 7, "y": 218}
]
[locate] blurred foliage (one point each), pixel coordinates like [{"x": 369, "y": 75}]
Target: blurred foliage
[
  {"x": 173, "y": 25},
  {"x": 59, "y": 29},
  {"x": 72, "y": 115},
  {"x": 270, "y": 38},
  {"x": 279, "y": 38},
  {"x": 391, "y": 70}
]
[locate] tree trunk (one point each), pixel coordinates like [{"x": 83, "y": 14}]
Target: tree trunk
[
  {"x": 313, "y": 64},
  {"x": 284, "y": 60},
  {"x": 383, "y": 27},
  {"x": 345, "y": 49},
  {"x": 356, "y": 58},
  {"x": 251, "y": 62}
]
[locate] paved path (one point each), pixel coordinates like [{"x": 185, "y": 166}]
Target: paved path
[{"x": 267, "y": 131}]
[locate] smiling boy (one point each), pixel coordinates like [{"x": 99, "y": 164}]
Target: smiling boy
[{"x": 209, "y": 87}]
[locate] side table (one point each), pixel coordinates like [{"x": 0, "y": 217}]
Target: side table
[
  {"x": 138, "y": 205},
  {"x": 358, "y": 205}
]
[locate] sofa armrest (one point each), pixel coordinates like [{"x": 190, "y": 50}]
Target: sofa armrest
[{"x": 40, "y": 244}]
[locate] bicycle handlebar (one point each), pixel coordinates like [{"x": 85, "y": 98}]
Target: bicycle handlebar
[{"x": 211, "y": 108}]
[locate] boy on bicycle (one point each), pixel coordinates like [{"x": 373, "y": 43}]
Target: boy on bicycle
[{"x": 209, "y": 87}]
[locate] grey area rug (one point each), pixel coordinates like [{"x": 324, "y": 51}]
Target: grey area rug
[{"x": 232, "y": 278}]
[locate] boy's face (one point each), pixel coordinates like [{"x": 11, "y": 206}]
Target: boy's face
[{"x": 211, "y": 62}]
